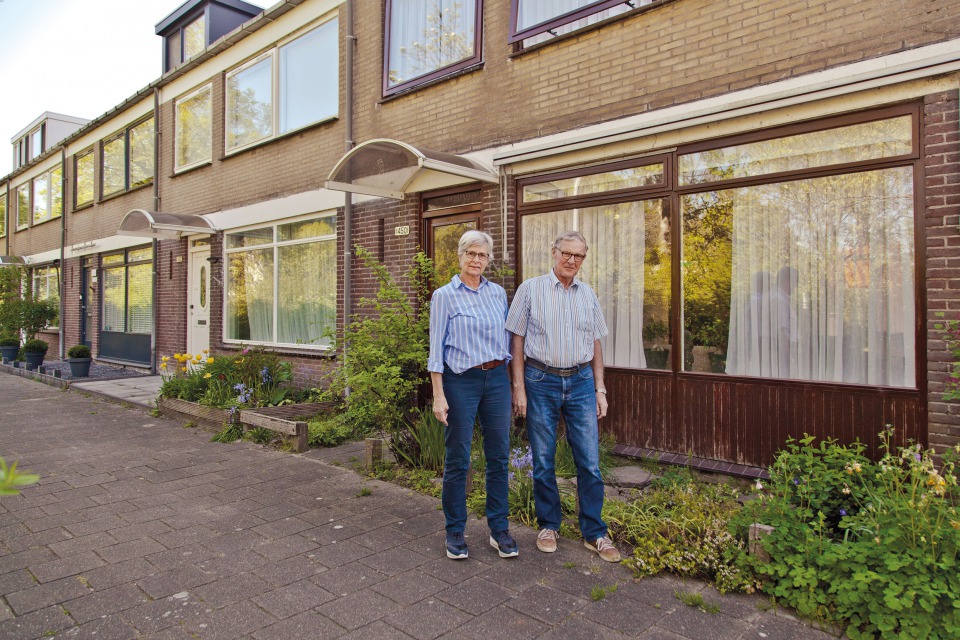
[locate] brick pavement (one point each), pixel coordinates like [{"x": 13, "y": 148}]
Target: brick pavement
[{"x": 142, "y": 528}]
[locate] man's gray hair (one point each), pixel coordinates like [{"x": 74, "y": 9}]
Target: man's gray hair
[
  {"x": 473, "y": 237},
  {"x": 570, "y": 235}
]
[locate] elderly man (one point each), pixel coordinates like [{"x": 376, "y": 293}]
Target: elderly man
[{"x": 557, "y": 367}]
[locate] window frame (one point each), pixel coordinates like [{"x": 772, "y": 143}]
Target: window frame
[
  {"x": 28, "y": 187},
  {"x": 124, "y": 136},
  {"x": 3, "y": 212},
  {"x": 52, "y": 272},
  {"x": 276, "y": 91},
  {"x": 176, "y": 38},
  {"x": 87, "y": 153},
  {"x": 517, "y": 37},
  {"x": 32, "y": 153},
  {"x": 275, "y": 245},
  {"x": 125, "y": 263},
  {"x": 178, "y": 129},
  {"x": 436, "y": 74}
]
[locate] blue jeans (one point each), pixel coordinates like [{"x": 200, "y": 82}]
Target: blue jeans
[
  {"x": 469, "y": 394},
  {"x": 548, "y": 397}
]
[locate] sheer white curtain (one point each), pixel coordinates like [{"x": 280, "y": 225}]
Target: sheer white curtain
[
  {"x": 533, "y": 12},
  {"x": 614, "y": 268},
  {"x": 426, "y": 35},
  {"x": 307, "y": 289},
  {"x": 822, "y": 280}
]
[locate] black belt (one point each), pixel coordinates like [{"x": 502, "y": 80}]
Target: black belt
[
  {"x": 563, "y": 372},
  {"x": 493, "y": 364}
]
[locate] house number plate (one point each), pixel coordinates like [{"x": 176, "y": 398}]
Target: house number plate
[{"x": 402, "y": 231}]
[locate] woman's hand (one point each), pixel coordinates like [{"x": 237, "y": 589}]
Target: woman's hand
[{"x": 441, "y": 408}]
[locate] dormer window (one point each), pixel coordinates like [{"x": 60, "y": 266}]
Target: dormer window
[
  {"x": 199, "y": 23},
  {"x": 186, "y": 42}
]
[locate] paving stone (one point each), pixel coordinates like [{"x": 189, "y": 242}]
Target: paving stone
[
  {"x": 45, "y": 595},
  {"x": 394, "y": 561},
  {"x": 70, "y": 566},
  {"x": 35, "y": 540},
  {"x": 90, "y": 542},
  {"x": 631, "y": 476},
  {"x": 546, "y": 604},
  {"x": 695, "y": 624},
  {"x": 182, "y": 556},
  {"x": 174, "y": 581},
  {"x": 293, "y": 598},
  {"x": 235, "y": 621},
  {"x": 184, "y": 537},
  {"x": 622, "y": 614},
  {"x": 379, "y": 630},
  {"x": 129, "y": 550},
  {"x": 410, "y": 587},
  {"x": 281, "y": 548},
  {"x": 358, "y": 608},
  {"x": 113, "y": 627},
  {"x": 577, "y": 627},
  {"x": 308, "y": 624},
  {"x": 38, "y": 624},
  {"x": 774, "y": 626},
  {"x": 233, "y": 563},
  {"x": 232, "y": 589},
  {"x": 475, "y": 595},
  {"x": 112, "y": 575},
  {"x": 348, "y": 578},
  {"x": 293, "y": 569},
  {"x": 16, "y": 581},
  {"x": 104, "y": 603},
  {"x": 504, "y": 623},
  {"x": 341, "y": 553},
  {"x": 24, "y": 559},
  {"x": 383, "y": 538},
  {"x": 160, "y": 614},
  {"x": 427, "y": 619},
  {"x": 282, "y": 528},
  {"x": 150, "y": 529}
]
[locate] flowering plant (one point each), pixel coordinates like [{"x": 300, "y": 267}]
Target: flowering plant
[{"x": 951, "y": 336}]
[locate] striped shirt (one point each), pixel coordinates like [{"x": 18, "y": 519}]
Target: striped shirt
[
  {"x": 466, "y": 326},
  {"x": 559, "y": 324}
]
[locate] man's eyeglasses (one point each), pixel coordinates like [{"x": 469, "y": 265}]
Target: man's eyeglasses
[
  {"x": 473, "y": 255},
  {"x": 577, "y": 257}
]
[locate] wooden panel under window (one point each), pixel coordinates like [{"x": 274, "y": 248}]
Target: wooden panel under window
[{"x": 746, "y": 422}]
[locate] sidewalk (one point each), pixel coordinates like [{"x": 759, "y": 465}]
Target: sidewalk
[{"x": 142, "y": 528}]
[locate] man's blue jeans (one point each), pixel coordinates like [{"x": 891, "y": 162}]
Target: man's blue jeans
[
  {"x": 548, "y": 397},
  {"x": 469, "y": 394}
]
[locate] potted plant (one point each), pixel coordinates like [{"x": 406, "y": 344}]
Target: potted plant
[
  {"x": 79, "y": 358},
  {"x": 9, "y": 347},
  {"x": 654, "y": 331},
  {"x": 33, "y": 352}
]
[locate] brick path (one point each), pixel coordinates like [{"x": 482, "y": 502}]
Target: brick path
[{"x": 142, "y": 528}]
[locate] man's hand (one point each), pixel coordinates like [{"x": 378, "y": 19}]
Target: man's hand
[
  {"x": 601, "y": 405},
  {"x": 519, "y": 402},
  {"x": 441, "y": 409}
]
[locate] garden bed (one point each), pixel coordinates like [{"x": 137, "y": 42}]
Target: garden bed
[
  {"x": 284, "y": 419},
  {"x": 201, "y": 414}
]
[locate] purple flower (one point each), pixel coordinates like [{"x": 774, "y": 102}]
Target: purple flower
[
  {"x": 796, "y": 482},
  {"x": 843, "y": 512}
]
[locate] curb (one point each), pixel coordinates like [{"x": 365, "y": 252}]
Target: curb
[{"x": 34, "y": 375}]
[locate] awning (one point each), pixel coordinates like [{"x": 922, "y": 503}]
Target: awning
[
  {"x": 154, "y": 224},
  {"x": 10, "y": 261},
  {"x": 390, "y": 169}
]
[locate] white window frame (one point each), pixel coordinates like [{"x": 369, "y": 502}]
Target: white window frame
[
  {"x": 51, "y": 274},
  {"x": 178, "y": 129},
  {"x": 50, "y": 215},
  {"x": 275, "y": 89},
  {"x": 275, "y": 246}
]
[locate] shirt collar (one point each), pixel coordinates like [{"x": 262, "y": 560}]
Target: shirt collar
[{"x": 457, "y": 283}]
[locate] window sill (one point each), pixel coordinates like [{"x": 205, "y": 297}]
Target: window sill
[
  {"x": 283, "y": 136},
  {"x": 430, "y": 83},
  {"x": 117, "y": 194},
  {"x": 83, "y": 207},
  {"x": 191, "y": 168},
  {"x": 290, "y": 350},
  {"x": 42, "y": 222}
]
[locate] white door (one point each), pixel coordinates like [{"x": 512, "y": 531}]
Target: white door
[{"x": 198, "y": 307}]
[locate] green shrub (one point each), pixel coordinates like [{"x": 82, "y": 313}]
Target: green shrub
[
  {"x": 9, "y": 341},
  {"x": 872, "y": 546},
  {"x": 420, "y": 443},
  {"x": 251, "y": 378},
  {"x": 79, "y": 351},
  {"x": 35, "y": 346},
  {"x": 567, "y": 468},
  {"x": 329, "y": 431}
]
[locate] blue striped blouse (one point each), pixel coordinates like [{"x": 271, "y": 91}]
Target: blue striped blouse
[
  {"x": 559, "y": 324},
  {"x": 466, "y": 325}
]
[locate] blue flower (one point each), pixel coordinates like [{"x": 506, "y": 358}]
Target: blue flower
[
  {"x": 796, "y": 482},
  {"x": 843, "y": 512}
]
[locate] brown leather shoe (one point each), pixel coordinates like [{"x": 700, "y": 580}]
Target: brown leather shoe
[
  {"x": 547, "y": 540},
  {"x": 604, "y": 548}
]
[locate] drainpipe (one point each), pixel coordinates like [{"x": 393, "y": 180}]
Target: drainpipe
[
  {"x": 351, "y": 41},
  {"x": 6, "y": 219},
  {"x": 63, "y": 242},
  {"x": 156, "y": 207}
]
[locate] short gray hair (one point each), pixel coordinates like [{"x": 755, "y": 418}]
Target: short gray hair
[
  {"x": 570, "y": 235},
  {"x": 473, "y": 237}
]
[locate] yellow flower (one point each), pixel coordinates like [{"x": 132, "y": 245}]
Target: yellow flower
[
  {"x": 206, "y": 375},
  {"x": 846, "y": 490},
  {"x": 177, "y": 356},
  {"x": 163, "y": 366},
  {"x": 165, "y": 359},
  {"x": 187, "y": 356},
  {"x": 184, "y": 369},
  {"x": 857, "y": 468},
  {"x": 206, "y": 350},
  {"x": 238, "y": 361},
  {"x": 209, "y": 360}
]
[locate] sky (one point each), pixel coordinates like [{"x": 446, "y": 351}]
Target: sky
[{"x": 76, "y": 57}]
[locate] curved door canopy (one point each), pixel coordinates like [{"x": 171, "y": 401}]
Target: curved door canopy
[
  {"x": 154, "y": 224},
  {"x": 389, "y": 169}
]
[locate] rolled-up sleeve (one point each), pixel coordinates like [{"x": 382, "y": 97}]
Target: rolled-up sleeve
[
  {"x": 439, "y": 316},
  {"x": 519, "y": 311}
]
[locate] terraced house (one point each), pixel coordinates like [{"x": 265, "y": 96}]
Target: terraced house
[{"x": 769, "y": 190}]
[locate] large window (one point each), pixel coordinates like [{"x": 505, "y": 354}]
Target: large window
[
  {"x": 797, "y": 252},
  {"x": 186, "y": 42},
  {"x": 194, "y": 145},
  {"x": 23, "y": 206},
  {"x": 534, "y": 21},
  {"x": 427, "y": 39},
  {"x": 45, "y": 283},
  {"x": 128, "y": 159},
  {"x": 628, "y": 263},
  {"x": 282, "y": 283},
  {"x": 3, "y": 214},
  {"x": 290, "y": 87},
  {"x": 48, "y": 195},
  {"x": 84, "y": 178},
  {"x": 128, "y": 291}
]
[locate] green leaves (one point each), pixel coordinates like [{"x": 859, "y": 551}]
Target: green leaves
[{"x": 11, "y": 479}]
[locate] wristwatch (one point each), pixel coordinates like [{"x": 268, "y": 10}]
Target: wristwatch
[{"x": 603, "y": 391}]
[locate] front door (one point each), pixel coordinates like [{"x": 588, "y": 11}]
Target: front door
[
  {"x": 198, "y": 307},
  {"x": 87, "y": 304}
]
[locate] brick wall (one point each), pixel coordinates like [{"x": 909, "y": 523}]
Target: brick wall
[
  {"x": 171, "y": 330},
  {"x": 942, "y": 224}
]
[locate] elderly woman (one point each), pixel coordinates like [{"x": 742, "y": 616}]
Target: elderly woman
[{"x": 469, "y": 349}]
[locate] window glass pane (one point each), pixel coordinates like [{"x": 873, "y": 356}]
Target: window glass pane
[
  {"x": 41, "y": 198},
  {"x": 23, "y": 205},
  {"x": 36, "y": 143},
  {"x": 85, "y": 179},
  {"x": 141, "y": 153},
  {"x": 136, "y": 255},
  {"x": 249, "y": 112},
  {"x": 250, "y": 295},
  {"x": 194, "y": 38},
  {"x": 114, "y": 157},
  {"x": 310, "y": 78},
  {"x": 139, "y": 298},
  {"x": 628, "y": 267},
  {"x": 3, "y": 214},
  {"x": 650, "y": 174},
  {"x": 531, "y": 13},
  {"x": 249, "y": 238},
  {"x": 56, "y": 192},
  {"x": 865, "y": 141},
  {"x": 116, "y": 258},
  {"x": 193, "y": 132},
  {"x": 427, "y": 35},
  {"x": 308, "y": 304},
  {"x": 318, "y": 227},
  {"x": 46, "y": 287},
  {"x": 114, "y": 293},
  {"x": 174, "y": 54},
  {"x": 811, "y": 279}
]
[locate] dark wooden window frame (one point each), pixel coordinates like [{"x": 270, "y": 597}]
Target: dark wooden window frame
[
  {"x": 516, "y": 37},
  {"x": 125, "y": 136},
  {"x": 436, "y": 74},
  {"x": 671, "y": 193},
  {"x": 89, "y": 151}
]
